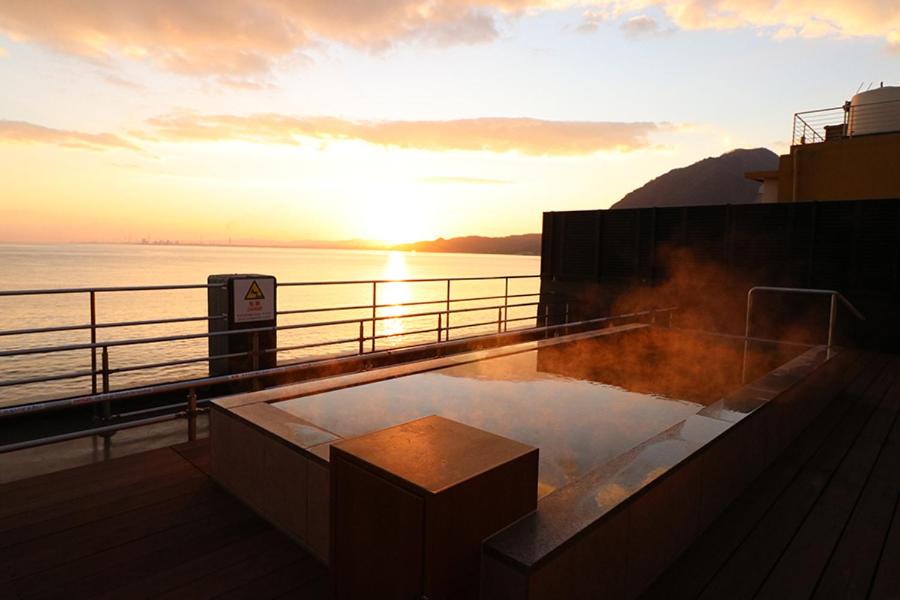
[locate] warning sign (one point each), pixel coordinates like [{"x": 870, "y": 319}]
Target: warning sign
[
  {"x": 254, "y": 293},
  {"x": 254, "y": 300}
]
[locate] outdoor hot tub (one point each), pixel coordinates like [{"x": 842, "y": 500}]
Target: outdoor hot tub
[{"x": 615, "y": 413}]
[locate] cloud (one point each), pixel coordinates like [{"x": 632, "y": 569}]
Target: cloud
[
  {"x": 3, "y": 52},
  {"x": 241, "y": 38},
  {"x": 639, "y": 25},
  {"x": 534, "y": 137},
  {"x": 591, "y": 20},
  {"x": 244, "y": 37},
  {"x": 29, "y": 133}
]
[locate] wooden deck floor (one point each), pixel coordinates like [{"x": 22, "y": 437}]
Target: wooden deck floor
[
  {"x": 151, "y": 525},
  {"x": 823, "y": 521}
]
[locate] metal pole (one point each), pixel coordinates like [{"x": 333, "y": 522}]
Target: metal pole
[
  {"x": 439, "y": 329},
  {"x": 567, "y": 313},
  {"x": 499, "y": 320},
  {"x": 192, "y": 415},
  {"x": 832, "y": 313},
  {"x": 362, "y": 335},
  {"x": 93, "y": 341},
  {"x": 746, "y": 336},
  {"x": 506, "y": 304},
  {"x": 254, "y": 352},
  {"x": 447, "y": 308},
  {"x": 107, "y": 412},
  {"x": 374, "y": 310}
]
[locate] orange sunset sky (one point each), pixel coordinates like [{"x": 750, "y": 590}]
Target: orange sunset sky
[{"x": 394, "y": 120}]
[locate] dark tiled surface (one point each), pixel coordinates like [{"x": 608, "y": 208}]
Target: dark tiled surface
[
  {"x": 823, "y": 521},
  {"x": 148, "y": 525}
]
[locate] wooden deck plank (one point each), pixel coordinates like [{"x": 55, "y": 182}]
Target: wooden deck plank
[
  {"x": 289, "y": 578},
  {"x": 122, "y": 565},
  {"x": 142, "y": 526},
  {"x": 800, "y": 567},
  {"x": 273, "y": 555},
  {"x": 887, "y": 576},
  {"x": 60, "y": 517},
  {"x": 183, "y": 574},
  {"x": 750, "y": 564},
  {"x": 852, "y": 567},
  {"x": 108, "y": 477},
  {"x": 39, "y": 554},
  {"x": 692, "y": 572},
  {"x": 197, "y": 453}
]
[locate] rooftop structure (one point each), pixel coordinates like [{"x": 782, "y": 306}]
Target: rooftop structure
[{"x": 842, "y": 153}]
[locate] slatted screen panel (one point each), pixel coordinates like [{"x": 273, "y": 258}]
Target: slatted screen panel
[{"x": 853, "y": 245}]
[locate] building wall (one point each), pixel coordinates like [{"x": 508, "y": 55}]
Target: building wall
[{"x": 851, "y": 168}]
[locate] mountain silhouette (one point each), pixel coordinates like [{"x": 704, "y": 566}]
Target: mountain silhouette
[{"x": 718, "y": 180}]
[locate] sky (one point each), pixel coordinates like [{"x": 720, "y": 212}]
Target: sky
[{"x": 394, "y": 120}]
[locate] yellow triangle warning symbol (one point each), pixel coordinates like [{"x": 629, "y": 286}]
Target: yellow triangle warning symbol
[{"x": 254, "y": 293}]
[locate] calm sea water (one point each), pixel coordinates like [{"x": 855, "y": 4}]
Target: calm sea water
[{"x": 67, "y": 266}]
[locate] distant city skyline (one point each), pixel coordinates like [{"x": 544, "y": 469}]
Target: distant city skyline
[{"x": 394, "y": 121}]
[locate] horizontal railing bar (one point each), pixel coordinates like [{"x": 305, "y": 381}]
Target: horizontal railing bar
[
  {"x": 194, "y": 336},
  {"x": 385, "y": 336},
  {"x": 314, "y": 345},
  {"x": 424, "y": 280},
  {"x": 98, "y": 290},
  {"x": 45, "y": 378},
  {"x": 400, "y": 304},
  {"x": 88, "y": 326},
  {"x": 173, "y": 363},
  {"x": 49, "y": 405},
  {"x": 482, "y": 324},
  {"x": 813, "y": 291},
  {"x": 88, "y": 432},
  {"x": 818, "y": 110},
  {"x": 301, "y": 311}
]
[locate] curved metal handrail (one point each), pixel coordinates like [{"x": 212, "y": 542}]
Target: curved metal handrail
[{"x": 832, "y": 313}]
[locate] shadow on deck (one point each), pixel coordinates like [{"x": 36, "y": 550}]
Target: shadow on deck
[{"x": 150, "y": 525}]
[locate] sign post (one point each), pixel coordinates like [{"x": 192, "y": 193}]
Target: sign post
[{"x": 245, "y": 305}]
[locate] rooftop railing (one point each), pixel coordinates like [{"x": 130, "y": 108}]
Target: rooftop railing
[
  {"x": 322, "y": 331},
  {"x": 838, "y": 122}
]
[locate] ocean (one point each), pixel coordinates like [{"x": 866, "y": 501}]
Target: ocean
[{"x": 109, "y": 265}]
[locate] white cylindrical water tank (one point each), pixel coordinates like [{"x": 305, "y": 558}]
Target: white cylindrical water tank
[{"x": 875, "y": 111}]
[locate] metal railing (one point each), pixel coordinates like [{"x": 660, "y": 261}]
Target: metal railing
[
  {"x": 446, "y": 314},
  {"x": 832, "y": 314},
  {"x": 191, "y": 407},
  {"x": 815, "y": 126}
]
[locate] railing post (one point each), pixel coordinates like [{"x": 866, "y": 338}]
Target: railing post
[
  {"x": 362, "y": 335},
  {"x": 254, "y": 351},
  {"x": 746, "y": 335},
  {"x": 832, "y": 313},
  {"x": 192, "y": 414},
  {"x": 107, "y": 409},
  {"x": 93, "y": 341},
  {"x": 374, "y": 311},
  {"x": 567, "y": 314},
  {"x": 499, "y": 319},
  {"x": 447, "y": 308},
  {"x": 439, "y": 329},
  {"x": 506, "y": 304}
]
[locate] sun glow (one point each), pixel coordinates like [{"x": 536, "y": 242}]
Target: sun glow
[
  {"x": 395, "y": 292},
  {"x": 399, "y": 215}
]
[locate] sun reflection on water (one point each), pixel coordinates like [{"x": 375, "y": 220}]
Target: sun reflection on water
[{"x": 393, "y": 293}]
